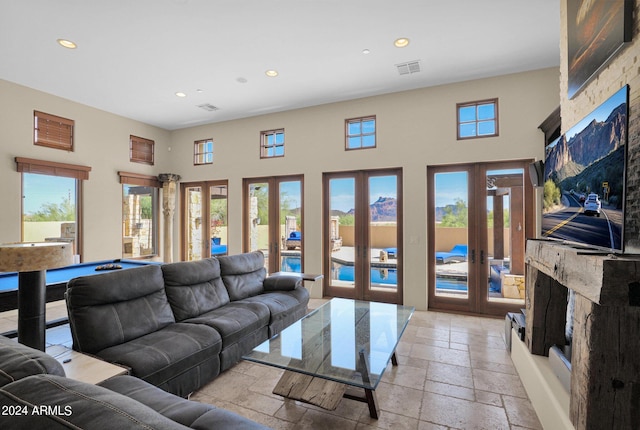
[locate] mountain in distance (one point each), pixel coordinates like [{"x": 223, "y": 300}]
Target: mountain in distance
[
  {"x": 385, "y": 209},
  {"x": 600, "y": 138}
]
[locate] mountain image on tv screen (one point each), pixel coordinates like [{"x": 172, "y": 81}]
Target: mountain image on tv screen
[{"x": 584, "y": 178}]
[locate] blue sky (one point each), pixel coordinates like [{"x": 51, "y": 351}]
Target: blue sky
[
  {"x": 450, "y": 187},
  {"x": 40, "y": 189},
  {"x": 292, "y": 191},
  {"x": 342, "y": 191}
]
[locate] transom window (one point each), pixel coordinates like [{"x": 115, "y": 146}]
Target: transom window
[
  {"x": 52, "y": 131},
  {"x": 272, "y": 143},
  {"x": 203, "y": 152},
  {"x": 141, "y": 150},
  {"x": 477, "y": 119},
  {"x": 360, "y": 133}
]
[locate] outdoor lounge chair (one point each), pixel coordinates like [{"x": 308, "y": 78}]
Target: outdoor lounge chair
[
  {"x": 457, "y": 254},
  {"x": 391, "y": 252},
  {"x": 294, "y": 240},
  {"x": 217, "y": 248}
]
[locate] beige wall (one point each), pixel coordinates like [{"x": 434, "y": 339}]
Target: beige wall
[
  {"x": 415, "y": 129},
  {"x": 101, "y": 142}
]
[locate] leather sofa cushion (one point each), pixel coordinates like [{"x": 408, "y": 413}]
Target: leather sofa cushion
[
  {"x": 79, "y": 405},
  {"x": 243, "y": 274},
  {"x": 166, "y": 354},
  {"x": 285, "y": 307},
  {"x": 18, "y": 361},
  {"x": 194, "y": 287},
  {"x": 235, "y": 320},
  {"x": 115, "y": 307},
  {"x": 192, "y": 414}
]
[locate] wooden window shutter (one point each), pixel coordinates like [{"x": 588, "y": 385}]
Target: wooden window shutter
[
  {"x": 140, "y": 180},
  {"x": 141, "y": 150},
  {"x": 29, "y": 165},
  {"x": 52, "y": 131}
]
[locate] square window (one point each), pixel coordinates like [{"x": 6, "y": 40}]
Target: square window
[
  {"x": 360, "y": 133},
  {"x": 141, "y": 150},
  {"x": 272, "y": 143},
  {"x": 52, "y": 131},
  {"x": 477, "y": 119},
  {"x": 203, "y": 152}
]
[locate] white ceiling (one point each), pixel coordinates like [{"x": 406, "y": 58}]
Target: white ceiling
[{"x": 134, "y": 55}]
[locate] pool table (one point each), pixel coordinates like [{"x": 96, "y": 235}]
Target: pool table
[
  {"x": 31, "y": 312},
  {"x": 57, "y": 280}
]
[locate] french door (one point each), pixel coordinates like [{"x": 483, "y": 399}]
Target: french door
[
  {"x": 204, "y": 219},
  {"x": 273, "y": 221},
  {"x": 479, "y": 218},
  {"x": 363, "y": 235}
]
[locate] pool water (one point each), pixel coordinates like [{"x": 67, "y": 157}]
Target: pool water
[{"x": 378, "y": 275}]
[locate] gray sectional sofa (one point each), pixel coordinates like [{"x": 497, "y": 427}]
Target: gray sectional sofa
[
  {"x": 35, "y": 394},
  {"x": 178, "y": 325}
]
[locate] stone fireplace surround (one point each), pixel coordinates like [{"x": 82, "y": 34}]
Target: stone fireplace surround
[{"x": 605, "y": 362}]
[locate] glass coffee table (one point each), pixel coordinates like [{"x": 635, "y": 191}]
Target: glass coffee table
[{"x": 346, "y": 342}]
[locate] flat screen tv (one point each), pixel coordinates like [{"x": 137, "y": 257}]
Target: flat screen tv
[{"x": 584, "y": 179}]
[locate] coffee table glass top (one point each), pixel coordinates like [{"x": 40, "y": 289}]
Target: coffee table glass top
[{"x": 346, "y": 341}]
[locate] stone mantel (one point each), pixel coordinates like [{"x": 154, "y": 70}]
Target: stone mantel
[
  {"x": 606, "y": 279},
  {"x": 605, "y": 363}
]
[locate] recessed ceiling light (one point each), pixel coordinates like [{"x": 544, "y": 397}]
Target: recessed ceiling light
[
  {"x": 180, "y": 94},
  {"x": 199, "y": 90},
  {"x": 366, "y": 51},
  {"x": 67, "y": 44},
  {"x": 242, "y": 80},
  {"x": 401, "y": 42},
  {"x": 271, "y": 73}
]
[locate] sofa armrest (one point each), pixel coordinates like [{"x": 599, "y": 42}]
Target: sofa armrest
[
  {"x": 18, "y": 361},
  {"x": 281, "y": 283}
]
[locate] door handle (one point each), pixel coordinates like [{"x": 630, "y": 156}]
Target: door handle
[
  {"x": 473, "y": 256},
  {"x": 482, "y": 256}
]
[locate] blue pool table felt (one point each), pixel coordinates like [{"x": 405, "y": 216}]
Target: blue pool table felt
[{"x": 9, "y": 280}]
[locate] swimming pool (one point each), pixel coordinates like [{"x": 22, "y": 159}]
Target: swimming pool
[{"x": 384, "y": 276}]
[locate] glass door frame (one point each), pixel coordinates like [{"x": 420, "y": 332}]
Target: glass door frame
[
  {"x": 477, "y": 301},
  {"x": 274, "y": 241},
  {"x": 205, "y": 187},
  {"x": 362, "y": 257}
]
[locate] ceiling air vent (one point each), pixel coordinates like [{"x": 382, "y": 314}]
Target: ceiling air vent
[
  {"x": 208, "y": 107},
  {"x": 409, "y": 68}
]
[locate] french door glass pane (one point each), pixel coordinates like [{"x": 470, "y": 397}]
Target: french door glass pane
[
  {"x": 451, "y": 234},
  {"x": 258, "y": 219},
  {"x": 342, "y": 203},
  {"x": 290, "y": 226},
  {"x": 139, "y": 221},
  {"x": 218, "y": 219},
  {"x": 505, "y": 234},
  {"x": 49, "y": 208},
  {"x": 383, "y": 232},
  {"x": 193, "y": 223}
]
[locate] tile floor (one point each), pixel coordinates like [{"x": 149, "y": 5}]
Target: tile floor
[{"x": 454, "y": 372}]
